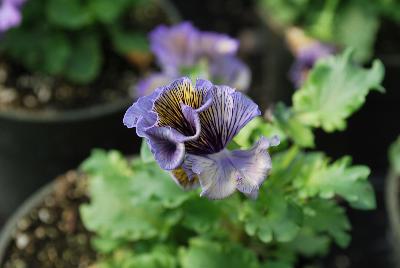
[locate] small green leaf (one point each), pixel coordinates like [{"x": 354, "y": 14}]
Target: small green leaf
[
  {"x": 201, "y": 215},
  {"x": 271, "y": 216},
  {"x": 356, "y": 18},
  {"x": 107, "y": 11},
  {"x": 126, "y": 42},
  {"x": 158, "y": 257},
  {"x": 324, "y": 216},
  {"x": 203, "y": 253},
  {"x": 70, "y": 14},
  {"x": 56, "y": 50},
  {"x": 256, "y": 128},
  {"x": 334, "y": 89},
  {"x": 301, "y": 134},
  {"x": 316, "y": 177},
  {"x": 85, "y": 61}
]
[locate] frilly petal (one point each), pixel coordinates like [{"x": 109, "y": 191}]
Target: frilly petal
[
  {"x": 167, "y": 147},
  {"x": 222, "y": 173}
]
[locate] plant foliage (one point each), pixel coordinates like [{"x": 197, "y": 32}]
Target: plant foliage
[{"x": 142, "y": 219}]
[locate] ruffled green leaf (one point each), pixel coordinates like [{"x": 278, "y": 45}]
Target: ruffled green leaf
[
  {"x": 317, "y": 177},
  {"x": 158, "y": 257},
  {"x": 203, "y": 253},
  {"x": 271, "y": 217},
  {"x": 334, "y": 89},
  {"x": 115, "y": 211},
  {"x": 287, "y": 121}
]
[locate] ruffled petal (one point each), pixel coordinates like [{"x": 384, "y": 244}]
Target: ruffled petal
[
  {"x": 222, "y": 173},
  {"x": 167, "y": 147},
  {"x": 142, "y": 108},
  {"x": 180, "y": 94},
  {"x": 229, "y": 112}
]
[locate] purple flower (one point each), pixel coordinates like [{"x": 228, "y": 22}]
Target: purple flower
[
  {"x": 306, "y": 59},
  {"x": 182, "y": 48},
  {"x": 10, "y": 15},
  {"x": 188, "y": 129},
  {"x": 174, "y": 46}
]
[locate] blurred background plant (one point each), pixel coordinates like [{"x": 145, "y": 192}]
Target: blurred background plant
[
  {"x": 141, "y": 218},
  {"x": 183, "y": 50},
  {"x": 352, "y": 23},
  {"x": 69, "y": 38}
]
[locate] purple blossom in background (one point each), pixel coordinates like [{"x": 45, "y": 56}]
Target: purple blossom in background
[
  {"x": 10, "y": 14},
  {"x": 188, "y": 129},
  {"x": 184, "y": 50},
  {"x": 306, "y": 59}
]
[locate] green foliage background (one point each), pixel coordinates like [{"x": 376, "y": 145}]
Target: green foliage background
[
  {"x": 141, "y": 218},
  {"x": 335, "y": 21},
  {"x": 67, "y": 38}
]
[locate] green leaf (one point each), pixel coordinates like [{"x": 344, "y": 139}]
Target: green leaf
[
  {"x": 106, "y": 244},
  {"x": 287, "y": 121},
  {"x": 205, "y": 253},
  {"x": 324, "y": 216},
  {"x": 114, "y": 210},
  {"x": 152, "y": 183},
  {"x": 256, "y": 128},
  {"x": 283, "y": 12},
  {"x": 271, "y": 217},
  {"x": 85, "y": 61},
  {"x": 309, "y": 243},
  {"x": 39, "y": 50},
  {"x": 158, "y": 257},
  {"x": 356, "y": 18},
  {"x": 70, "y": 14},
  {"x": 56, "y": 50},
  {"x": 125, "y": 41},
  {"x": 394, "y": 155},
  {"x": 316, "y": 177},
  {"x": 334, "y": 89},
  {"x": 201, "y": 215},
  {"x": 107, "y": 11}
]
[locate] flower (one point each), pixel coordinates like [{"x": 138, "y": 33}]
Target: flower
[
  {"x": 10, "y": 15},
  {"x": 305, "y": 60},
  {"x": 184, "y": 50},
  {"x": 188, "y": 129}
]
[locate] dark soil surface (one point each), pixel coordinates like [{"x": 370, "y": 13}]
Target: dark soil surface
[{"x": 53, "y": 235}]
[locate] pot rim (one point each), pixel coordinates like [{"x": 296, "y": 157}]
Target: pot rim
[
  {"x": 30, "y": 203},
  {"x": 68, "y": 115}
]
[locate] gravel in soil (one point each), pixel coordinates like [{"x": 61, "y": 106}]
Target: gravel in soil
[{"x": 52, "y": 234}]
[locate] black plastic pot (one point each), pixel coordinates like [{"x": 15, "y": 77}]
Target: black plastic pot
[
  {"x": 34, "y": 148},
  {"x": 393, "y": 210}
]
